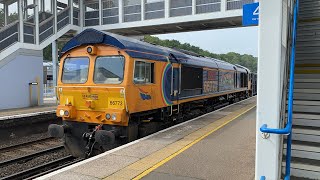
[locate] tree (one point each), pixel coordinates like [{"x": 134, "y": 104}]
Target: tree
[{"x": 246, "y": 60}]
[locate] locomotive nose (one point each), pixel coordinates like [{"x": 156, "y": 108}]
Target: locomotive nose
[{"x": 56, "y": 131}]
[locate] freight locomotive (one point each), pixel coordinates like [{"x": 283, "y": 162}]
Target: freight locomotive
[{"x": 115, "y": 89}]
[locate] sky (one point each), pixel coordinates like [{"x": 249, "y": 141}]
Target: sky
[{"x": 240, "y": 40}]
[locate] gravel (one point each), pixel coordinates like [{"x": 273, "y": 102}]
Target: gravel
[
  {"x": 25, "y": 139},
  {"x": 18, "y": 167}
]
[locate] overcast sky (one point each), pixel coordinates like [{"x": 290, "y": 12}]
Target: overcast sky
[{"x": 240, "y": 40}]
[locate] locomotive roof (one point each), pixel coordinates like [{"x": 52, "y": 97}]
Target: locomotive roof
[{"x": 143, "y": 50}]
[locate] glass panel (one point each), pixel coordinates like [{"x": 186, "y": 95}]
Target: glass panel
[
  {"x": 48, "y": 6},
  {"x": 75, "y": 70},
  {"x": 1, "y": 15},
  {"x": 131, "y": 2},
  {"x": 139, "y": 72},
  {"x": 109, "y": 70},
  {"x": 13, "y": 12},
  {"x": 110, "y": 11},
  {"x": 148, "y": 73},
  {"x": 62, "y": 4},
  {"x": 91, "y": 13}
]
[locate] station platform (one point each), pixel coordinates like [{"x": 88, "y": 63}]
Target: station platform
[
  {"x": 27, "y": 112},
  {"x": 218, "y": 145}
]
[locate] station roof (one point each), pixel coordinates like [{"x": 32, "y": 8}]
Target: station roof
[{"x": 143, "y": 50}]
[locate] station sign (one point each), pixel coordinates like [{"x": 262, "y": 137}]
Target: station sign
[{"x": 250, "y": 16}]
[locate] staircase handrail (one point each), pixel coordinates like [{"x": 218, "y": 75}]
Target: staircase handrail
[{"x": 9, "y": 26}]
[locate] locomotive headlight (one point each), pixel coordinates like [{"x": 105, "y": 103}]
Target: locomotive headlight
[
  {"x": 91, "y": 50},
  {"x": 61, "y": 112},
  {"x": 114, "y": 117},
  {"x": 66, "y": 113},
  {"x": 108, "y": 116}
]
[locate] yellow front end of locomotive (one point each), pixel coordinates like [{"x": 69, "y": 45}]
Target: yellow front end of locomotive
[
  {"x": 88, "y": 91},
  {"x": 92, "y": 105}
]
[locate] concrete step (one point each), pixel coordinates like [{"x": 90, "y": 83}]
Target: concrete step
[
  {"x": 304, "y": 150},
  {"x": 300, "y": 168},
  {"x": 305, "y": 135}
]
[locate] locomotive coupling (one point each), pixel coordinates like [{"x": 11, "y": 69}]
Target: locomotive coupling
[{"x": 56, "y": 130}]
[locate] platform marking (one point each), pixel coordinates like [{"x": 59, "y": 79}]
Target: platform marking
[{"x": 146, "y": 172}]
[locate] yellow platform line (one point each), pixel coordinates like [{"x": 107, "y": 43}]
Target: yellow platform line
[{"x": 146, "y": 172}]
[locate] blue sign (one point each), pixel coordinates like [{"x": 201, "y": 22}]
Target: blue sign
[{"x": 250, "y": 14}]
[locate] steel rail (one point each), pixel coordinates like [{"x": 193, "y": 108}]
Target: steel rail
[
  {"x": 41, "y": 169},
  {"x": 24, "y": 144},
  {"x": 30, "y": 156}
]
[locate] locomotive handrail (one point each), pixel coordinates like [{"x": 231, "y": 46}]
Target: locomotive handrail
[{"x": 288, "y": 128}]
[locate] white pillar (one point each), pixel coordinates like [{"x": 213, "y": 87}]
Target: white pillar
[
  {"x": 36, "y": 18},
  {"x": 142, "y": 9},
  {"x": 81, "y": 13},
  {"x": 71, "y": 11},
  {"x": 121, "y": 16},
  {"x": 166, "y": 8},
  {"x": 5, "y": 13},
  {"x": 194, "y": 7},
  {"x": 54, "y": 12},
  {"x": 270, "y": 64},
  {"x": 21, "y": 31},
  {"x": 100, "y": 12},
  {"x": 42, "y": 6},
  {"x": 223, "y": 5},
  {"x": 54, "y": 62}
]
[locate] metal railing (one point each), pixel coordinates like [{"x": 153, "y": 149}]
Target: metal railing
[
  {"x": 288, "y": 128},
  {"x": 29, "y": 32},
  {"x": 9, "y": 35},
  {"x": 132, "y": 13},
  {"x": 63, "y": 18},
  {"x": 46, "y": 29},
  {"x": 237, "y": 4},
  {"x": 154, "y": 10}
]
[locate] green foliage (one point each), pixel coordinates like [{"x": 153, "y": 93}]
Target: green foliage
[
  {"x": 246, "y": 60},
  {"x": 47, "y": 51}
]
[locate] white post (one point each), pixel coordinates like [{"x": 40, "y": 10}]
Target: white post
[
  {"x": 121, "y": 16},
  {"x": 54, "y": 12},
  {"x": 5, "y": 13},
  {"x": 21, "y": 31},
  {"x": 223, "y": 5},
  {"x": 194, "y": 7},
  {"x": 270, "y": 84},
  {"x": 142, "y": 9},
  {"x": 54, "y": 62},
  {"x": 71, "y": 11},
  {"x": 166, "y": 8},
  {"x": 42, "y": 6},
  {"x": 81, "y": 12},
  {"x": 36, "y": 17},
  {"x": 100, "y": 12}
]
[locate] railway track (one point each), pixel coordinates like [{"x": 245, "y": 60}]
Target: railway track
[
  {"x": 33, "y": 158},
  {"x": 25, "y": 144},
  {"x": 44, "y": 168}
]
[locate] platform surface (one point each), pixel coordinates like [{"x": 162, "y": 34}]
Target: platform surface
[
  {"x": 30, "y": 111},
  {"x": 219, "y": 145}
]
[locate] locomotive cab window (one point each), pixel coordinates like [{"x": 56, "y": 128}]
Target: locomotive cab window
[
  {"x": 75, "y": 70},
  {"x": 109, "y": 70},
  {"x": 143, "y": 72}
]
